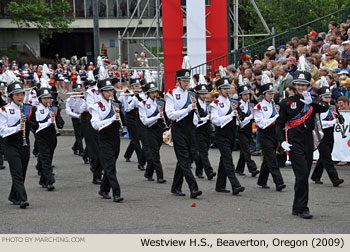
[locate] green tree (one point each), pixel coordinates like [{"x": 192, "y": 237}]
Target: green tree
[{"x": 47, "y": 15}]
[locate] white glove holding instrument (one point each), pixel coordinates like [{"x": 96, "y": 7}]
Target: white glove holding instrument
[
  {"x": 307, "y": 98},
  {"x": 286, "y": 146}
]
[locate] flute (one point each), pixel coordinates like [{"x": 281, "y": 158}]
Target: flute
[
  {"x": 123, "y": 131},
  {"x": 24, "y": 123}
]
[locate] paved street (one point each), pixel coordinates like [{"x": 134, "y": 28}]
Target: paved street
[{"x": 148, "y": 207}]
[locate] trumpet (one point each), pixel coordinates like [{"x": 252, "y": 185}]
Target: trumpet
[
  {"x": 58, "y": 133},
  {"x": 235, "y": 109},
  {"x": 196, "y": 110},
  {"x": 341, "y": 131},
  {"x": 123, "y": 131},
  {"x": 163, "y": 118},
  {"x": 24, "y": 128}
]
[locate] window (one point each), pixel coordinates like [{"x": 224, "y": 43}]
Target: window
[{"x": 79, "y": 8}]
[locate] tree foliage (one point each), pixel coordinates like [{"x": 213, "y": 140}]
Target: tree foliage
[
  {"x": 47, "y": 15},
  {"x": 284, "y": 14}
]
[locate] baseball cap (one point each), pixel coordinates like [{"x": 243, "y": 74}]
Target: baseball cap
[
  {"x": 336, "y": 70},
  {"x": 347, "y": 42},
  {"x": 270, "y": 48},
  {"x": 312, "y": 33}
]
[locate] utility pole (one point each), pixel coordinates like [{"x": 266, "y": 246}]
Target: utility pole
[{"x": 96, "y": 30}]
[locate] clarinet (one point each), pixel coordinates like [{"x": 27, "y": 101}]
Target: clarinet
[
  {"x": 196, "y": 110},
  {"x": 123, "y": 132},
  {"x": 235, "y": 109},
  {"x": 24, "y": 128},
  {"x": 54, "y": 124},
  {"x": 341, "y": 131},
  {"x": 161, "y": 110}
]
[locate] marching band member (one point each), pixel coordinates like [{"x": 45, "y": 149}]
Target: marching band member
[
  {"x": 224, "y": 117},
  {"x": 3, "y": 102},
  {"x": 92, "y": 96},
  {"x": 150, "y": 117},
  {"x": 14, "y": 129},
  {"x": 325, "y": 148},
  {"x": 130, "y": 103},
  {"x": 245, "y": 132},
  {"x": 73, "y": 105},
  {"x": 203, "y": 131},
  {"x": 105, "y": 121},
  {"x": 180, "y": 108},
  {"x": 46, "y": 136},
  {"x": 265, "y": 115},
  {"x": 297, "y": 114}
]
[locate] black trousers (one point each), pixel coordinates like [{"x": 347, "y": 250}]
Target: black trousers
[
  {"x": 325, "y": 162},
  {"x": 2, "y": 151},
  {"x": 47, "y": 142},
  {"x": 134, "y": 139},
  {"x": 145, "y": 149},
  {"x": 78, "y": 144},
  {"x": 93, "y": 149},
  {"x": 268, "y": 143},
  {"x": 84, "y": 121},
  {"x": 301, "y": 158},
  {"x": 244, "y": 154},
  {"x": 224, "y": 140},
  {"x": 181, "y": 133},
  {"x": 109, "y": 145},
  {"x": 202, "y": 135},
  {"x": 155, "y": 140},
  {"x": 194, "y": 157},
  {"x": 18, "y": 158}
]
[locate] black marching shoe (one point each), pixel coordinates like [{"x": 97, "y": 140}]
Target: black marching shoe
[
  {"x": 200, "y": 176},
  {"x": 2, "y": 167},
  {"x": 178, "y": 193},
  {"x": 304, "y": 215},
  {"x": 254, "y": 173},
  {"x": 127, "y": 160},
  {"x": 148, "y": 178},
  {"x": 117, "y": 199},
  {"x": 240, "y": 173},
  {"x": 264, "y": 186},
  {"x": 141, "y": 167},
  {"x": 15, "y": 202},
  {"x": 24, "y": 204},
  {"x": 338, "y": 182},
  {"x": 222, "y": 190},
  {"x": 211, "y": 175},
  {"x": 319, "y": 182},
  {"x": 195, "y": 194},
  {"x": 86, "y": 161},
  {"x": 43, "y": 185},
  {"x": 237, "y": 190},
  {"x": 161, "y": 181},
  {"x": 280, "y": 187},
  {"x": 50, "y": 188},
  {"x": 96, "y": 181},
  {"x": 104, "y": 195}
]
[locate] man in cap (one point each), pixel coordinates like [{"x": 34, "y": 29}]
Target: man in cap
[
  {"x": 203, "y": 131},
  {"x": 151, "y": 117},
  {"x": 224, "y": 115},
  {"x": 73, "y": 105},
  {"x": 130, "y": 103},
  {"x": 294, "y": 131},
  {"x": 272, "y": 52},
  {"x": 328, "y": 120},
  {"x": 346, "y": 53},
  {"x": 14, "y": 129},
  {"x": 265, "y": 115},
  {"x": 180, "y": 107},
  {"x": 46, "y": 137},
  {"x": 245, "y": 133},
  {"x": 106, "y": 121}
]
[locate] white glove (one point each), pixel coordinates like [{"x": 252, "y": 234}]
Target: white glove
[
  {"x": 307, "y": 98},
  {"x": 286, "y": 146}
]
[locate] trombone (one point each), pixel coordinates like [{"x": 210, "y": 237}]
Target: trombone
[{"x": 116, "y": 110}]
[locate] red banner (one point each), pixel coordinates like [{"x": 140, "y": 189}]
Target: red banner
[{"x": 172, "y": 40}]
